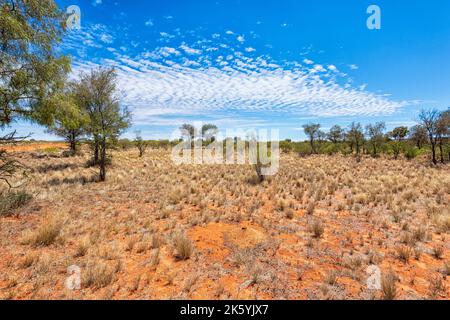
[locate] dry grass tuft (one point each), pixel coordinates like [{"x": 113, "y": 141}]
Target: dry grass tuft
[
  {"x": 183, "y": 247},
  {"x": 45, "y": 235},
  {"x": 98, "y": 276},
  {"x": 389, "y": 286},
  {"x": 317, "y": 229}
]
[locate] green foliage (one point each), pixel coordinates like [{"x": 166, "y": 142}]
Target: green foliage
[
  {"x": 411, "y": 152},
  {"x": 31, "y": 72},
  {"x": 331, "y": 149},
  {"x": 355, "y": 137},
  {"x": 125, "y": 144},
  {"x": 396, "y": 147},
  {"x": 286, "y": 146},
  {"x": 302, "y": 148},
  {"x": 70, "y": 121},
  {"x": 187, "y": 131},
  {"x": 96, "y": 95},
  {"x": 313, "y": 132},
  {"x": 376, "y": 136},
  {"x": 140, "y": 144},
  {"x": 336, "y": 134},
  {"x": 418, "y": 134},
  {"x": 209, "y": 132}
]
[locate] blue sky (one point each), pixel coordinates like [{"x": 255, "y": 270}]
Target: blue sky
[{"x": 265, "y": 64}]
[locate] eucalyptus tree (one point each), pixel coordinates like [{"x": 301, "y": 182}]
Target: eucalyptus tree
[
  {"x": 313, "y": 132},
  {"x": 355, "y": 137},
  {"x": 429, "y": 120},
  {"x": 418, "y": 134},
  {"x": 96, "y": 94},
  {"x": 32, "y": 72},
  {"x": 375, "y": 133}
]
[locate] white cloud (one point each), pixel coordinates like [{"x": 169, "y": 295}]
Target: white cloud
[
  {"x": 190, "y": 50},
  {"x": 318, "y": 68},
  {"x": 332, "y": 67},
  {"x": 241, "y": 39},
  {"x": 184, "y": 80},
  {"x": 353, "y": 67},
  {"x": 96, "y": 3},
  {"x": 149, "y": 23},
  {"x": 106, "y": 38}
]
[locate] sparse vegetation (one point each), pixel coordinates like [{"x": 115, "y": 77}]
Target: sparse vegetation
[
  {"x": 171, "y": 223},
  {"x": 345, "y": 202},
  {"x": 11, "y": 201},
  {"x": 389, "y": 286},
  {"x": 44, "y": 235},
  {"x": 183, "y": 247}
]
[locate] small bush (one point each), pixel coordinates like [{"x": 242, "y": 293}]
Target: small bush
[
  {"x": 311, "y": 208},
  {"x": 446, "y": 269},
  {"x": 404, "y": 253},
  {"x": 98, "y": 276},
  {"x": 331, "y": 278},
  {"x": 389, "y": 286},
  {"x": 11, "y": 201},
  {"x": 183, "y": 247},
  {"x": 317, "y": 229},
  {"x": 438, "y": 252},
  {"x": 411, "y": 153},
  {"x": 45, "y": 235},
  {"x": 436, "y": 286}
]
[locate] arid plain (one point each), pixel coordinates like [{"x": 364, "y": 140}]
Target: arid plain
[{"x": 155, "y": 230}]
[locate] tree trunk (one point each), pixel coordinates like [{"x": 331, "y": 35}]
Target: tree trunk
[
  {"x": 441, "y": 149},
  {"x": 96, "y": 151},
  {"x": 73, "y": 147},
  {"x": 433, "y": 150},
  {"x": 103, "y": 160},
  {"x": 313, "y": 150},
  {"x": 73, "y": 144}
]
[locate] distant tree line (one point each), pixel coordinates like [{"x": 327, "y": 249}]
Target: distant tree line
[{"x": 431, "y": 133}]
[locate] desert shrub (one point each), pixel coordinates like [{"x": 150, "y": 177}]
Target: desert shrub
[
  {"x": 97, "y": 276},
  {"x": 51, "y": 150},
  {"x": 286, "y": 146},
  {"x": 45, "y": 235},
  {"x": 332, "y": 149},
  {"x": 443, "y": 223},
  {"x": 331, "y": 278},
  {"x": 125, "y": 144},
  {"x": 404, "y": 253},
  {"x": 411, "y": 152},
  {"x": 436, "y": 286},
  {"x": 446, "y": 269},
  {"x": 92, "y": 163},
  {"x": 438, "y": 252},
  {"x": 389, "y": 286},
  {"x": 82, "y": 248},
  {"x": 11, "y": 201},
  {"x": 420, "y": 234},
  {"x": 303, "y": 149},
  {"x": 183, "y": 247},
  {"x": 317, "y": 229},
  {"x": 311, "y": 208}
]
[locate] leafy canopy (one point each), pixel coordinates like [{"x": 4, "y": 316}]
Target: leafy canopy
[{"x": 31, "y": 71}]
